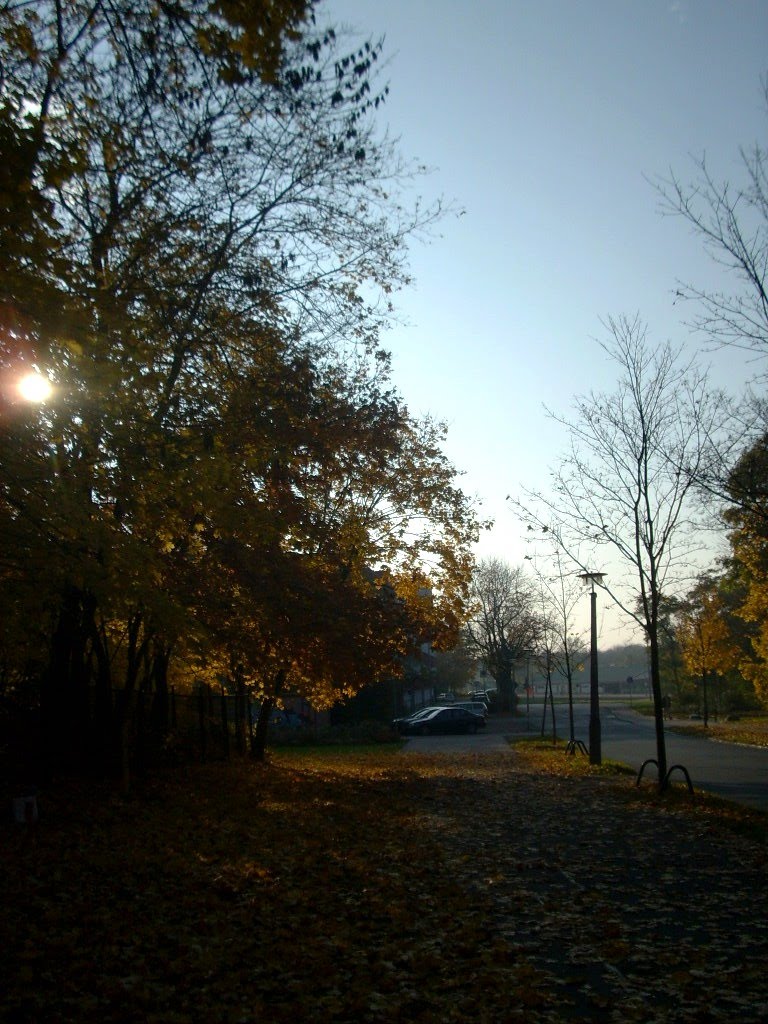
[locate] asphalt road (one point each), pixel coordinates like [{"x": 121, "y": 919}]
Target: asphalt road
[
  {"x": 735, "y": 771},
  {"x": 730, "y": 770}
]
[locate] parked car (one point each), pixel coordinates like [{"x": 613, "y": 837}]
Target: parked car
[
  {"x": 478, "y": 706},
  {"x": 443, "y": 720},
  {"x": 416, "y": 716}
]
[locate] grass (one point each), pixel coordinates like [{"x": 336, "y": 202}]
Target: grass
[
  {"x": 545, "y": 757},
  {"x": 643, "y": 707},
  {"x": 751, "y": 729},
  {"x": 551, "y": 756}
]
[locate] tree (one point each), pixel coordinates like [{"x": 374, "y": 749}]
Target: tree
[
  {"x": 670, "y": 656},
  {"x": 504, "y": 623},
  {"x": 706, "y": 642},
  {"x": 748, "y": 520},
  {"x": 732, "y": 224},
  {"x": 564, "y": 648},
  {"x": 618, "y": 489},
  {"x": 199, "y": 192},
  {"x": 295, "y": 560},
  {"x": 107, "y": 138},
  {"x": 455, "y": 669}
]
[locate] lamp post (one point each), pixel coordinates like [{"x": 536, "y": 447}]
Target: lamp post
[{"x": 595, "y": 752}]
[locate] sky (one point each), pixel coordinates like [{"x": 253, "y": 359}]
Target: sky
[{"x": 543, "y": 121}]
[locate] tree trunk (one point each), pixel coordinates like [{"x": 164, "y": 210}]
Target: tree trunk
[
  {"x": 552, "y": 704},
  {"x": 161, "y": 657},
  {"x": 549, "y": 695},
  {"x": 64, "y": 688},
  {"x": 241, "y": 700},
  {"x": 505, "y": 687},
  {"x": 258, "y": 750},
  {"x": 103, "y": 705},
  {"x": 125, "y": 707}
]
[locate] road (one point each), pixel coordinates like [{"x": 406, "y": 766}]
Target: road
[
  {"x": 730, "y": 770},
  {"x": 735, "y": 771}
]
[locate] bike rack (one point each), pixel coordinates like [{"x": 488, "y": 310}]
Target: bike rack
[
  {"x": 678, "y": 767},
  {"x": 666, "y": 780},
  {"x": 643, "y": 766}
]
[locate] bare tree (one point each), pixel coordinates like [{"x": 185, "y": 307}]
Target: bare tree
[
  {"x": 505, "y": 623},
  {"x": 564, "y": 646},
  {"x": 731, "y": 220},
  {"x": 732, "y": 223},
  {"x": 618, "y": 489}
]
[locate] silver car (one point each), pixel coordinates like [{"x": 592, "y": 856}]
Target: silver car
[{"x": 477, "y": 706}]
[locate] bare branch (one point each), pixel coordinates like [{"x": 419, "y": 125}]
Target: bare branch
[{"x": 620, "y": 491}]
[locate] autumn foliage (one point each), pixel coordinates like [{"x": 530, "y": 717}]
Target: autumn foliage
[
  {"x": 200, "y": 229},
  {"x": 748, "y": 518}
]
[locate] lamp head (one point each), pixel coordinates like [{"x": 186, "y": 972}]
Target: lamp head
[{"x": 592, "y": 578}]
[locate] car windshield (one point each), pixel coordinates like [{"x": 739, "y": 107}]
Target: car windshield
[{"x": 423, "y": 713}]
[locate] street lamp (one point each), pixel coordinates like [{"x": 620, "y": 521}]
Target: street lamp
[{"x": 595, "y": 752}]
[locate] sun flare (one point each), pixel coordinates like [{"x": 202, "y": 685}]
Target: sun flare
[{"x": 34, "y": 387}]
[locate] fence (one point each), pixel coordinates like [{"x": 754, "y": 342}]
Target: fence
[
  {"x": 115, "y": 732},
  {"x": 211, "y": 725}
]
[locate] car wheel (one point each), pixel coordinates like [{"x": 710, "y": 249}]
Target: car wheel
[{"x": 473, "y": 728}]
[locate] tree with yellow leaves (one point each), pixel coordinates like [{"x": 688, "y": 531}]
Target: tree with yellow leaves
[
  {"x": 748, "y": 519},
  {"x": 200, "y": 228},
  {"x": 706, "y": 642}
]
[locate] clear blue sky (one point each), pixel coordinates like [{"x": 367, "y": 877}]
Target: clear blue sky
[{"x": 542, "y": 119}]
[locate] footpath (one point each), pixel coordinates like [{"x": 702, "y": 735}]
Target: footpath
[{"x": 621, "y": 910}]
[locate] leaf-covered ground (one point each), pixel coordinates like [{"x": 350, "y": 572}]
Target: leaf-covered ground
[
  {"x": 382, "y": 887},
  {"x": 752, "y": 730}
]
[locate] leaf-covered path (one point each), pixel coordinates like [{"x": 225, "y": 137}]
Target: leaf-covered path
[{"x": 373, "y": 888}]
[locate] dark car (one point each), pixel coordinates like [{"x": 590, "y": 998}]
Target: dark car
[
  {"x": 443, "y": 720},
  {"x": 415, "y": 716}
]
